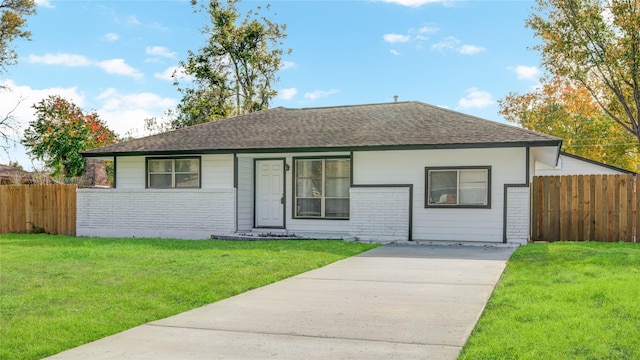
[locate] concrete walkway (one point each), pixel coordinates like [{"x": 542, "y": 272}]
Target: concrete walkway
[{"x": 393, "y": 302}]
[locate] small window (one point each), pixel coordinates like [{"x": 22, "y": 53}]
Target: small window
[
  {"x": 467, "y": 187},
  {"x": 173, "y": 173},
  {"x": 322, "y": 188}
]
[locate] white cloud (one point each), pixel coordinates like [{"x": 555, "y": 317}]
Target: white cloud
[
  {"x": 126, "y": 112},
  {"x": 449, "y": 42},
  {"x": 44, "y": 3},
  {"x": 112, "y": 66},
  {"x": 121, "y": 112},
  {"x": 394, "y": 52},
  {"x": 133, "y": 20},
  {"x": 20, "y": 100},
  {"x": 119, "y": 67},
  {"x": 396, "y": 38},
  {"x": 28, "y": 96},
  {"x": 320, "y": 94},
  {"x": 527, "y": 72},
  {"x": 287, "y": 94},
  {"x": 111, "y": 37},
  {"x": 160, "y": 51},
  {"x": 428, "y": 30},
  {"x": 470, "y": 49},
  {"x": 168, "y": 73},
  {"x": 453, "y": 43},
  {"x": 288, "y": 65},
  {"x": 412, "y": 3},
  {"x": 476, "y": 99},
  {"x": 65, "y": 59}
]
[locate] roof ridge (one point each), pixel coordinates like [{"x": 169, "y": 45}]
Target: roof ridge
[{"x": 348, "y": 106}]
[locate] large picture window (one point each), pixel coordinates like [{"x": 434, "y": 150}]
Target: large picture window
[
  {"x": 322, "y": 188},
  {"x": 173, "y": 173},
  {"x": 458, "y": 187}
]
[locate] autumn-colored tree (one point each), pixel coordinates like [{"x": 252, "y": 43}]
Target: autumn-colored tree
[
  {"x": 61, "y": 132},
  {"x": 567, "y": 110},
  {"x": 12, "y": 26},
  {"x": 233, "y": 73},
  {"x": 596, "y": 44}
]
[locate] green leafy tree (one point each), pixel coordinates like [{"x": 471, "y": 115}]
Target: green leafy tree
[
  {"x": 234, "y": 72},
  {"x": 12, "y": 26},
  {"x": 596, "y": 44},
  {"x": 15, "y": 164},
  {"x": 60, "y": 132},
  {"x": 13, "y": 20},
  {"x": 567, "y": 110}
]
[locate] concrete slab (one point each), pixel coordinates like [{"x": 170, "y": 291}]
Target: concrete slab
[{"x": 394, "y": 302}]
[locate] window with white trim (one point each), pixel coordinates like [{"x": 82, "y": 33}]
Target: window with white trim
[
  {"x": 467, "y": 187},
  {"x": 322, "y": 188},
  {"x": 167, "y": 173}
]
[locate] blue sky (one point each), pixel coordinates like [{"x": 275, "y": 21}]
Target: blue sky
[{"x": 116, "y": 57}]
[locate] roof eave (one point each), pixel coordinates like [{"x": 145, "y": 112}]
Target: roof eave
[{"x": 535, "y": 143}]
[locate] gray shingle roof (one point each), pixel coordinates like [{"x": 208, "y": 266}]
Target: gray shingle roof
[{"x": 398, "y": 125}]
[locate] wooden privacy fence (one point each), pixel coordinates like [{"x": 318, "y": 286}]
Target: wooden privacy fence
[
  {"x": 38, "y": 208},
  {"x": 585, "y": 207}
]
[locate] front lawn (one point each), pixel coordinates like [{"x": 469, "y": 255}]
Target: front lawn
[
  {"x": 563, "y": 301},
  {"x": 58, "y": 292}
]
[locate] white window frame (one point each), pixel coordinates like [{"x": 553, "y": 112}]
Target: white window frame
[
  {"x": 173, "y": 172},
  {"x": 455, "y": 203},
  {"x": 323, "y": 196}
]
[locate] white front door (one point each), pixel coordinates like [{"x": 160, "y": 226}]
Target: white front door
[{"x": 269, "y": 193}]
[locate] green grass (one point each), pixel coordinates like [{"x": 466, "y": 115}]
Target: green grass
[
  {"x": 58, "y": 292},
  {"x": 563, "y": 301}
]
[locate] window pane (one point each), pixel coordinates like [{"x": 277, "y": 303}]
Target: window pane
[
  {"x": 442, "y": 187},
  {"x": 338, "y": 187},
  {"x": 187, "y": 180},
  {"x": 187, "y": 165},
  {"x": 160, "y": 181},
  {"x": 309, "y": 169},
  {"x": 471, "y": 176},
  {"x": 473, "y": 187},
  {"x": 309, "y": 188},
  {"x": 160, "y": 166},
  {"x": 337, "y": 208},
  {"x": 337, "y": 168},
  {"x": 308, "y": 207},
  {"x": 473, "y": 196}
]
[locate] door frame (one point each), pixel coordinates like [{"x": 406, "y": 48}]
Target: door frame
[{"x": 284, "y": 192}]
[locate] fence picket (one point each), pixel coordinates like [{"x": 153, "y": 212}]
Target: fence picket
[
  {"x": 26, "y": 208},
  {"x": 590, "y": 207}
]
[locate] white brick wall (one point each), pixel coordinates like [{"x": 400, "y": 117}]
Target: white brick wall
[
  {"x": 182, "y": 214},
  {"x": 379, "y": 213},
  {"x": 518, "y": 215}
]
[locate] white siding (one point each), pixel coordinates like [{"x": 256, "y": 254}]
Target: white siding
[
  {"x": 518, "y": 215},
  {"x": 376, "y": 212},
  {"x": 170, "y": 213},
  {"x": 245, "y": 194},
  {"x": 217, "y": 172},
  {"x": 572, "y": 166},
  {"x": 379, "y": 213},
  {"x": 132, "y": 210},
  {"x": 455, "y": 224},
  {"x": 303, "y": 227},
  {"x": 130, "y": 172}
]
